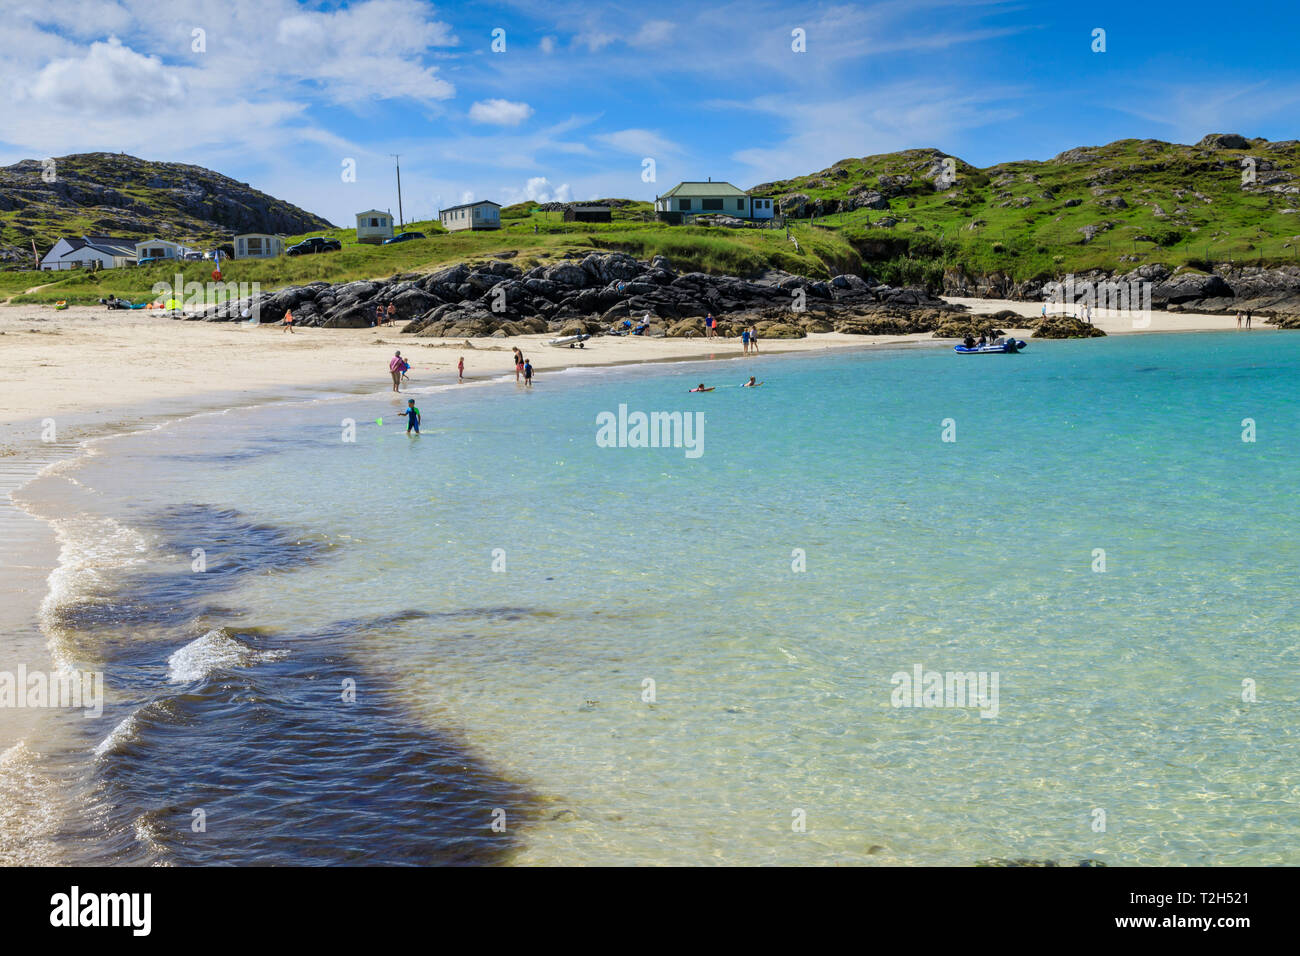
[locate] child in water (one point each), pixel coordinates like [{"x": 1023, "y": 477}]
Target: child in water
[
  {"x": 528, "y": 374},
  {"x": 412, "y": 417}
]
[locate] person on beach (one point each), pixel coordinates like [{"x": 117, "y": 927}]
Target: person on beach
[
  {"x": 1238, "y": 320},
  {"x": 460, "y": 370},
  {"x": 286, "y": 324},
  {"x": 753, "y": 339},
  {"x": 379, "y": 315},
  {"x": 1249, "y": 313},
  {"x": 395, "y": 369},
  {"x": 406, "y": 367},
  {"x": 709, "y": 323},
  {"x": 392, "y": 314},
  {"x": 528, "y": 374},
  {"x": 412, "y": 417},
  {"x": 519, "y": 364},
  {"x": 744, "y": 341}
]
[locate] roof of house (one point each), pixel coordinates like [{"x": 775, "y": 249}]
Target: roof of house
[
  {"x": 148, "y": 242},
  {"x": 466, "y": 205},
  {"x": 689, "y": 190},
  {"x": 377, "y": 212},
  {"x": 105, "y": 244},
  {"x": 272, "y": 235}
]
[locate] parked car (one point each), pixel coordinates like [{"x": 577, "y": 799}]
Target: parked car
[
  {"x": 313, "y": 245},
  {"x": 194, "y": 257},
  {"x": 403, "y": 237}
]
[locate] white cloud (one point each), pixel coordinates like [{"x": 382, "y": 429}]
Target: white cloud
[
  {"x": 594, "y": 40},
  {"x": 110, "y": 77},
  {"x": 639, "y": 142},
  {"x": 368, "y": 51},
  {"x": 537, "y": 189},
  {"x": 901, "y": 116},
  {"x": 653, "y": 33},
  {"x": 547, "y": 45},
  {"x": 500, "y": 112}
]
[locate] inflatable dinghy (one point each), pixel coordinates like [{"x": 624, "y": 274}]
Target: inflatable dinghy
[
  {"x": 569, "y": 341},
  {"x": 1009, "y": 347}
]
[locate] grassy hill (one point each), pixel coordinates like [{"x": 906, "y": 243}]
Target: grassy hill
[
  {"x": 119, "y": 195},
  {"x": 1106, "y": 207},
  {"x": 902, "y": 217}
]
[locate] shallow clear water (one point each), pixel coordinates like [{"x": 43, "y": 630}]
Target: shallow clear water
[{"x": 522, "y": 688}]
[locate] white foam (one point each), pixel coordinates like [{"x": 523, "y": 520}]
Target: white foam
[
  {"x": 28, "y": 809},
  {"x": 92, "y": 547},
  {"x": 123, "y": 733},
  {"x": 215, "y": 650}
]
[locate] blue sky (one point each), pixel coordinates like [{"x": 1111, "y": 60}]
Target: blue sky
[{"x": 281, "y": 94}]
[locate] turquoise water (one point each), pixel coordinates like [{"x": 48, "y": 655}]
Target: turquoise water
[{"x": 522, "y": 688}]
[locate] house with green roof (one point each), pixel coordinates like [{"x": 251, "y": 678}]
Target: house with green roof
[{"x": 688, "y": 199}]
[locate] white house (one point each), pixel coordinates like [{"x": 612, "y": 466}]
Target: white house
[
  {"x": 160, "y": 249},
  {"x": 692, "y": 198},
  {"x": 86, "y": 251},
  {"x": 374, "y": 225},
  {"x": 484, "y": 214},
  {"x": 258, "y": 245}
]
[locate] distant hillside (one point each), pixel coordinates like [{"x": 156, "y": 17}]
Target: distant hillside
[
  {"x": 1129, "y": 201},
  {"x": 119, "y": 195}
]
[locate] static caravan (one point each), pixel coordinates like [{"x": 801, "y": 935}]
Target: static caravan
[
  {"x": 159, "y": 249},
  {"x": 484, "y": 214},
  {"x": 374, "y": 226},
  {"x": 258, "y": 245}
]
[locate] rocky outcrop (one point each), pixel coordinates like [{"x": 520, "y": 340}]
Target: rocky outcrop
[
  {"x": 129, "y": 197},
  {"x": 1064, "y": 327},
  {"x": 1224, "y": 141},
  {"x": 595, "y": 292}
]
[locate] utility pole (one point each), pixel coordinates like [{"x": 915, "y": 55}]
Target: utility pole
[{"x": 400, "y": 220}]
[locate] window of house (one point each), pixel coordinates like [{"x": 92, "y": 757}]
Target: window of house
[
  {"x": 684, "y": 205},
  {"x": 740, "y": 204},
  {"x": 711, "y": 204},
  {"x": 254, "y": 247}
]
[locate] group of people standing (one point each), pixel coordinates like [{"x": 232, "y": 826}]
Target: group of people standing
[
  {"x": 523, "y": 368},
  {"x": 1244, "y": 316},
  {"x": 748, "y": 337},
  {"x": 398, "y": 367}
]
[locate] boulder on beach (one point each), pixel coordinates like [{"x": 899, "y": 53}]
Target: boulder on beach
[{"x": 1065, "y": 327}]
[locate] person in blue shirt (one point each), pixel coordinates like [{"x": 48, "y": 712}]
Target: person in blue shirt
[{"x": 412, "y": 417}]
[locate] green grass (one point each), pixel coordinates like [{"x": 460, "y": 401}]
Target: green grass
[
  {"x": 708, "y": 249},
  {"x": 1027, "y": 231},
  {"x": 1022, "y": 227}
]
